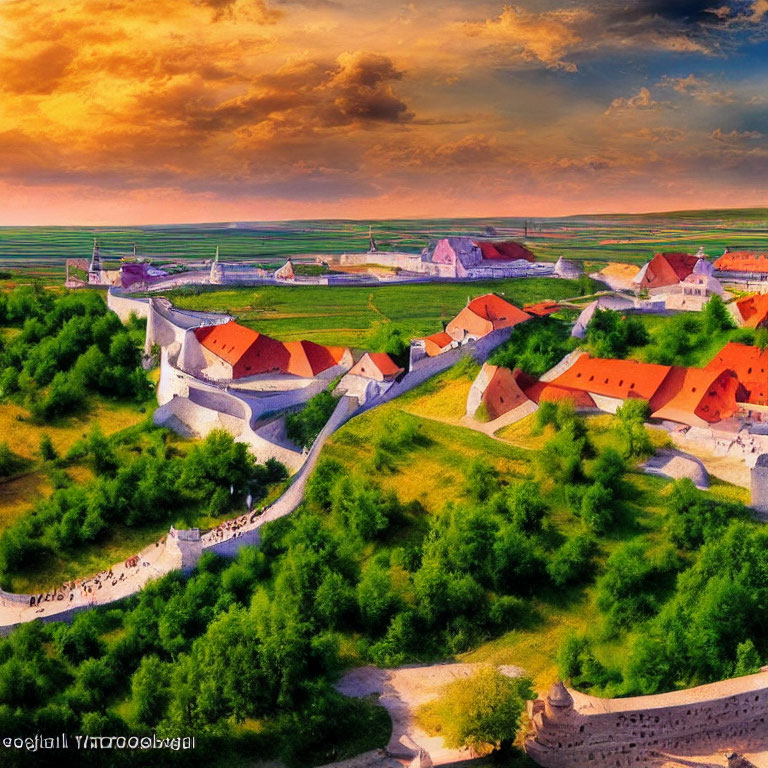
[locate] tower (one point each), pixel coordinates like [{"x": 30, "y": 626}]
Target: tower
[
  {"x": 372, "y": 248},
  {"x": 94, "y": 269}
]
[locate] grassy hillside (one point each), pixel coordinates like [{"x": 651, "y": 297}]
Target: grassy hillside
[{"x": 435, "y": 474}]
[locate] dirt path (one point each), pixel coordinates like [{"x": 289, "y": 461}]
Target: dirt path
[
  {"x": 401, "y": 691},
  {"x": 375, "y": 309}
]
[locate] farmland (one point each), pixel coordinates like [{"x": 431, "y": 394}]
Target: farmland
[{"x": 592, "y": 239}]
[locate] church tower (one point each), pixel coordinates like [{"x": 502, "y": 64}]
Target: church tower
[{"x": 95, "y": 268}]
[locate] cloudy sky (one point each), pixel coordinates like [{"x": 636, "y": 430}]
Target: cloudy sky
[{"x": 151, "y": 111}]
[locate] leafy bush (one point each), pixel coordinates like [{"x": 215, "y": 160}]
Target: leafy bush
[
  {"x": 304, "y": 426},
  {"x": 535, "y": 347},
  {"x": 611, "y": 334}
]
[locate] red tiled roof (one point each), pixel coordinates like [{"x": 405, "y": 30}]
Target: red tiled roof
[
  {"x": 543, "y": 392},
  {"x": 308, "y": 359},
  {"x": 230, "y": 341},
  {"x": 751, "y": 367},
  {"x": 436, "y": 343},
  {"x": 485, "y": 314},
  {"x": 384, "y": 363},
  {"x": 507, "y": 250},
  {"x": 497, "y": 310},
  {"x": 753, "y": 309},
  {"x": 251, "y": 353},
  {"x": 503, "y": 392},
  {"x": 542, "y": 309},
  {"x": 614, "y": 378},
  {"x": 690, "y": 395},
  {"x": 742, "y": 261},
  {"x": 373, "y": 363},
  {"x": 668, "y": 269}
]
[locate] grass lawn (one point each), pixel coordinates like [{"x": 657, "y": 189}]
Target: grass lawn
[
  {"x": 18, "y": 494},
  {"x": 347, "y": 315}
]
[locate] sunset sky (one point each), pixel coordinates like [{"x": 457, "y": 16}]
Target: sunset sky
[{"x": 159, "y": 111}]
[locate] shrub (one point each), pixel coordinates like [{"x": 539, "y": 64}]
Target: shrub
[{"x": 303, "y": 427}]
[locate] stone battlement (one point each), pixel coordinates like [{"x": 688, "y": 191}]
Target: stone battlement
[{"x": 572, "y": 730}]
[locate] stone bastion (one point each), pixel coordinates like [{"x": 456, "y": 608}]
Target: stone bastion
[{"x": 572, "y": 730}]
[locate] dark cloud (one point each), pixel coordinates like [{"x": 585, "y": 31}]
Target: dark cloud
[
  {"x": 686, "y": 13},
  {"x": 307, "y": 96}
]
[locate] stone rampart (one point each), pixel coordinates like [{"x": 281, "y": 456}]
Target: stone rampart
[
  {"x": 573, "y": 730},
  {"x": 124, "y": 306}
]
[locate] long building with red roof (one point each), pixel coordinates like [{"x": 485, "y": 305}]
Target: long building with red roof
[
  {"x": 743, "y": 263},
  {"x": 694, "y": 396},
  {"x": 232, "y": 351}
]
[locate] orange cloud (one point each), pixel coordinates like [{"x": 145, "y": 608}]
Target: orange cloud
[{"x": 543, "y": 37}]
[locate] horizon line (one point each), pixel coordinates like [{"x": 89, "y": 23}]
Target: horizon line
[{"x": 225, "y": 222}]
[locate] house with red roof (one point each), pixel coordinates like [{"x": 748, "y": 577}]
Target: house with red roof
[
  {"x": 232, "y": 351},
  {"x": 483, "y": 315},
  {"x": 610, "y": 382},
  {"x": 665, "y": 269},
  {"x": 698, "y": 396},
  {"x": 377, "y": 366},
  {"x": 308, "y": 359},
  {"x": 465, "y": 257},
  {"x": 435, "y": 344},
  {"x": 750, "y": 365},
  {"x": 752, "y": 311},
  {"x": 495, "y": 392}
]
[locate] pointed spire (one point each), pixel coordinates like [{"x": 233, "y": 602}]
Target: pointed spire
[
  {"x": 216, "y": 257},
  {"x": 95, "y": 257},
  {"x": 372, "y": 247}
]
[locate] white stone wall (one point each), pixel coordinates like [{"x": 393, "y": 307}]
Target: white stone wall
[{"x": 123, "y": 306}]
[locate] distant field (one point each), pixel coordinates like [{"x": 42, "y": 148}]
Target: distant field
[
  {"x": 348, "y": 315},
  {"x": 599, "y": 238}
]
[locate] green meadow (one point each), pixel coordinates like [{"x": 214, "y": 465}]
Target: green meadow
[{"x": 348, "y": 315}]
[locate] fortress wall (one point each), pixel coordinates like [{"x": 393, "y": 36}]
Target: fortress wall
[
  {"x": 160, "y": 329},
  {"x": 731, "y": 714},
  {"x": 124, "y": 306},
  {"x": 230, "y": 547}
]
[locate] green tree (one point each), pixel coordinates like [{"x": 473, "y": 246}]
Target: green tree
[
  {"x": 150, "y": 692},
  {"x": 47, "y": 450},
  {"x": 715, "y": 316},
  {"x": 485, "y": 710}
]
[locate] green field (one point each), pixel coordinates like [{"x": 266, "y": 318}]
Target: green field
[
  {"x": 594, "y": 239},
  {"x": 348, "y": 315}
]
